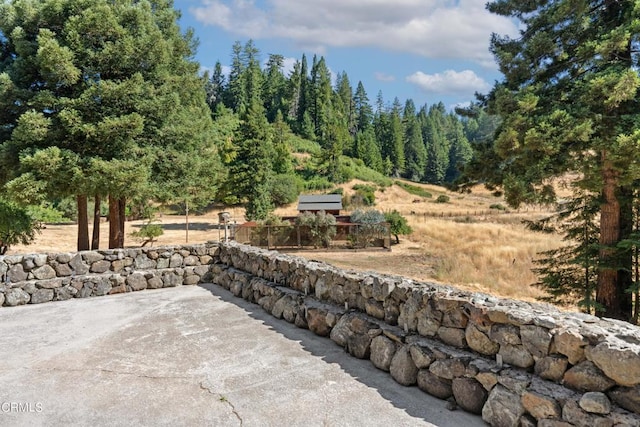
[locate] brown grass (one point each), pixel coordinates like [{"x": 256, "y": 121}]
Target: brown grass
[{"x": 490, "y": 252}]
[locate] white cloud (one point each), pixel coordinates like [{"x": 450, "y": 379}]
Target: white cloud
[
  {"x": 449, "y": 82},
  {"x": 430, "y": 28},
  {"x": 383, "y": 77}
]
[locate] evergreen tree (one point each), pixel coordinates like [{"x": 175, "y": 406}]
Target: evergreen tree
[
  {"x": 366, "y": 149},
  {"x": 569, "y": 103},
  {"x": 320, "y": 106},
  {"x": 274, "y": 87},
  {"x": 107, "y": 81},
  {"x": 434, "y": 134},
  {"x": 363, "y": 110},
  {"x": 414, "y": 149},
  {"x": 460, "y": 151},
  {"x": 569, "y": 274},
  {"x": 215, "y": 87},
  {"x": 250, "y": 170}
]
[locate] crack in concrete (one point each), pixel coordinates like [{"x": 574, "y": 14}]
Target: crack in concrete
[{"x": 223, "y": 399}]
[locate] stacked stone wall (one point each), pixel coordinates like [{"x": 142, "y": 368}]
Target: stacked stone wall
[
  {"x": 38, "y": 278},
  {"x": 515, "y": 363}
]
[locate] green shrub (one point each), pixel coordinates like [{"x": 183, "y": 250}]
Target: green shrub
[
  {"x": 398, "y": 224},
  {"x": 317, "y": 183},
  {"x": 364, "y": 195},
  {"x": 498, "y": 206},
  {"x": 337, "y": 190},
  {"x": 414, "y": 189},
  {"x": 443, "y": 198},
  {"x": 321, "y": 226},
  {"x": 370, "y": 226},
  {"x": 149, "y": 232},
  {"x": 285, "y": 189},
  {"x": 47, "y": 214},
  {"x": 16, "y": 226}
]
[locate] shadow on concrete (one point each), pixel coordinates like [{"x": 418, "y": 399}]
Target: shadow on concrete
[{"x": 412, "y": 400}]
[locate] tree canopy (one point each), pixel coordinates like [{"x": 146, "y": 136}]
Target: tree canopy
[
  {"x": 569, "y": 105},
  {"x": 104, "y": 82}
]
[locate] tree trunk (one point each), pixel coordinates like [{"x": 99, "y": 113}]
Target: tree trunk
[
  {"x": 114, "y": 222},
  {"x": 607, "y": 296},
  {"x": 625, "y": 257},
  {"x": 95, "y": 238},
  {"x": 122, "y": 205},
  {"x": 186, "y": 220},
  {"x": 83, "y": 223}
]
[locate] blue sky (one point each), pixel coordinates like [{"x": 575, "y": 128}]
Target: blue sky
[{"x": 427, "y": 50}]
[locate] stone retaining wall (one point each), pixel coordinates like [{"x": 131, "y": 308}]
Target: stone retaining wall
[
  {"x": 516, "y": 364},
  {"x": 38, "y": 278}
]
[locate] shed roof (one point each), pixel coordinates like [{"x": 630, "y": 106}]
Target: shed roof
[{"x": 319, "y": 202}]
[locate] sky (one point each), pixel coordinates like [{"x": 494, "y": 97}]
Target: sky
[{"x": 427, "y": 50}]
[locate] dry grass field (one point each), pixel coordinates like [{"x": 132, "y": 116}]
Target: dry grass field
[{"x": 462, "y": 242}]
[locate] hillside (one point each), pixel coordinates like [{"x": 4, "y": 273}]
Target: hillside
[{"x": 463, "y": 242}]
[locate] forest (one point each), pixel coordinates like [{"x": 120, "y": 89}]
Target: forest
[{"x": 104, "y": 111}]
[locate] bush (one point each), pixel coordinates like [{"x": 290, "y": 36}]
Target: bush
[
  {"x": 149, "y": 232},
  {"x": 337, "y": 190},
  {"x": 46, "y": 214},
  {"x": 370, "y": 226},
  {"x": 398, "y": 224},
  {"x": 498, "y": 206},
  {"x": 414, "y": 189},
  {"x": 321, "y": 226},
  {"x": 317, "y": 183},
  {"x": 272, "y": 231},
  {"x": 364, "y": 196},
  {"x": 443, "y": 198},
  {"x": 285, "y": 189},
  {"x": 16, "y": 226}
]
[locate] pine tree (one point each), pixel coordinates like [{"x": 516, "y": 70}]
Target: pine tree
[
  {"x": 569, "y": 101},
  {"x": 274, "y": 86},
  {"x": 414, "y": 149},
  {"x": 110, "y": 82}
]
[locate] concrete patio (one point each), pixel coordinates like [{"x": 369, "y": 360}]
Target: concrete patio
[{"x": 191, "y": 355}]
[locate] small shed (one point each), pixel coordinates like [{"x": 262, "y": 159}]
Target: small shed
[{"x": 330, "y": 203}]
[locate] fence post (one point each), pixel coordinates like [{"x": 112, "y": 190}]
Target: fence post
[{"x": 268, "y": 237}]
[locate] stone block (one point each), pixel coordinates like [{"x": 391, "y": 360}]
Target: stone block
[
  {"x": 434, "y": 385},
  {"x": 536, "y": 340},
  {"x": 503, "y": 408},
  {"x": 479, "y": 341},
  {"x": 402, "y": 368},
  {"x": 136, "y": 281},
  {"x": 505, "y": 334},
  {"x": 17, "y": 274},
  {"x": 551, "y": 368},
  {"x": 516, "y": 355},
  {"x": 595, "y": 402},
  {"x": 570, "y": 343},
  {"x": 422, "y": 356},
  {"x": 99, "y": 267},
  {"x": 541, "y": 406},
  {"x": 382, "y": 351},
  {"x": 16, "y": 296},
  {"x": 42, "y": 295},
  {"x": 470, "y": 395},
  {"x": 448, "y": 368},
  {"x": 586, "y": 376},
  {"x": 618, "y": 362},
  {"x": 627, "y": 398},
  {"x": 453, "y": 336}
]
